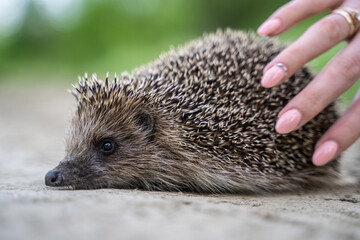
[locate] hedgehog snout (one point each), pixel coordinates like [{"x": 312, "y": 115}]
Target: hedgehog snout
[{"x": 54, "y": 178}]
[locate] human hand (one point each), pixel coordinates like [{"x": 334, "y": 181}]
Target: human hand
[{"x": 334, "y": 79}]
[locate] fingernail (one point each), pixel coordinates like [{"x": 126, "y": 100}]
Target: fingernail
[
  {"x": 273, "y": 76},
  {"x": 269, "y": 27},
  {"x": 325, "y": 153},
  {"x": 288, "y": 121}
]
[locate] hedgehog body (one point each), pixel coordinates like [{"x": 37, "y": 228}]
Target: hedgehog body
[{"x": 197, "y": 119}]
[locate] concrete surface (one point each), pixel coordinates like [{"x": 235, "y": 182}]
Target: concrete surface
[{"x": 32, "y": 124}]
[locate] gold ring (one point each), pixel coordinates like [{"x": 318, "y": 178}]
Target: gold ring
[{"x": 352, "y": 17}]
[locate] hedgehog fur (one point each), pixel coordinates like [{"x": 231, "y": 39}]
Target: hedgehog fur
[{"x": 197, "y": 119}]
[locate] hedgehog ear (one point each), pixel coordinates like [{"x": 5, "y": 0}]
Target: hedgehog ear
[{"x": 145, "y": 120}]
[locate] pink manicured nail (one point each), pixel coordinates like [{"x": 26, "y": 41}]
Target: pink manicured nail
[
  {"x": 288, "y": 121},
  {"x": 269, "y": 27},
  {"x": 273, "y": 76},
  {"x": 325, "y": 153}
]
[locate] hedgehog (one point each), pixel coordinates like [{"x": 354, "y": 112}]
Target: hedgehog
[{"x": 195, "y": 120}]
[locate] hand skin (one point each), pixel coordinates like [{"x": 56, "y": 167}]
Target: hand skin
[{"x": 335, "y": 78}]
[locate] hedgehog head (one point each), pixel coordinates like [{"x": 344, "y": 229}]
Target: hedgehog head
[{"x": 111, "y": 140}]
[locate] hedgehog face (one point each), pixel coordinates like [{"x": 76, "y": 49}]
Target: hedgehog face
[
  {"x": 110, "y": 141},
  {"x": 104, "y": 153}
]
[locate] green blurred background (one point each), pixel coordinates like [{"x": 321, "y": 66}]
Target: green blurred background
[{"x": 54, "y": 41}]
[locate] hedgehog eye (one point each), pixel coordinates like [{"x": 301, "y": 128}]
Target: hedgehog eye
[{"x": 107, "y": 146}]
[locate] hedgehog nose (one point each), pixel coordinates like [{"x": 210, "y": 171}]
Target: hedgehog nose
[{"x": 54, "y": 178}]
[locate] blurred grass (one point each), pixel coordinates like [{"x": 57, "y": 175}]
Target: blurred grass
[{"x": 116, "y": 36}]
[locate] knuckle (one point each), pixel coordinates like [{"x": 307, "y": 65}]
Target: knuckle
[
  {"x": 332, "y": 28},
  {"x": 317, "y": 5},
  {"x": 344, "y": 135},
  {"x": 287, "y": 58},
  {"x": 310, "y": 7},
  {"x": 292, "y": 6},
  {"x": 311, "y": 103},
  {"x": 349, "y": 66},
  {"x": 322, "y": 4},
  {"x": 294, "y": 50},
  {"x": 347, "y": 130}
]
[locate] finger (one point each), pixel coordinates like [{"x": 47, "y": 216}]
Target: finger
[
  {"x": 319, "y": 38},
  {"x": 340, "y": 136},
  {"x": 337, "y": 76},
  {"x": 294, "y": 12}
]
